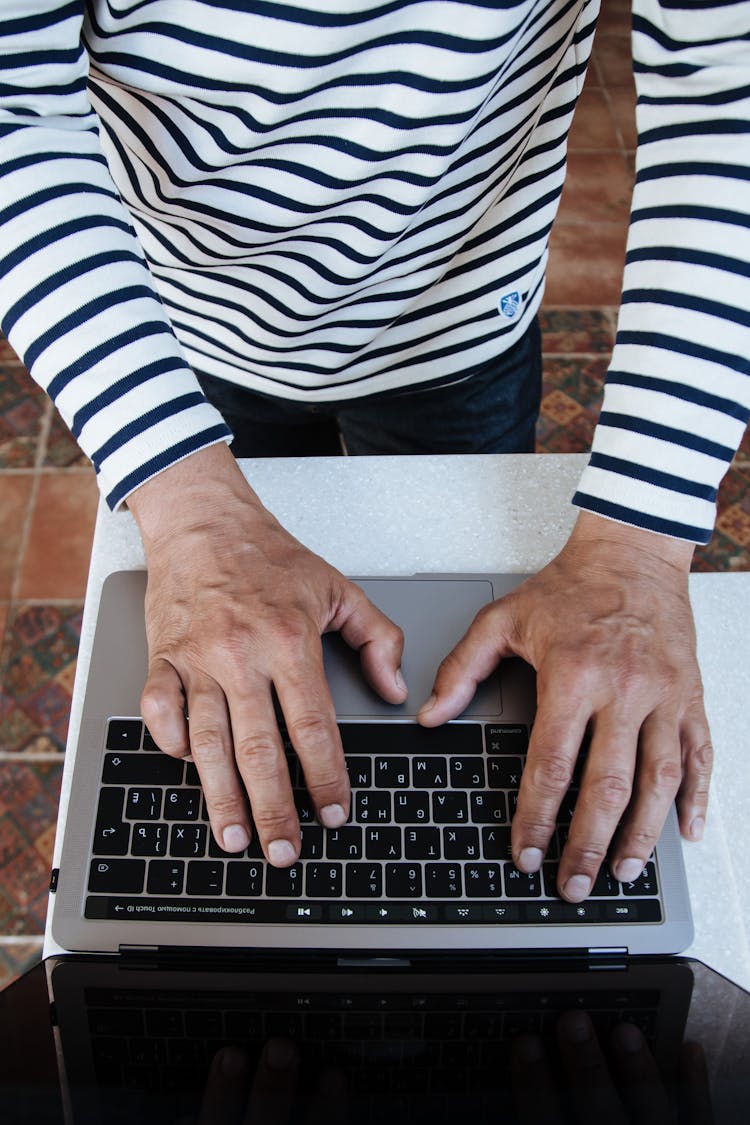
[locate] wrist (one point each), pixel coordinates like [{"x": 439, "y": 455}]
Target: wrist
[
  {"x": 198, "y": 490},
  {"x": 592, "y": 531}
]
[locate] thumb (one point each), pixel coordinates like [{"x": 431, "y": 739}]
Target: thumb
[
  {"x": 379, "y": 642},
  {"x": 472, "y": 660}
]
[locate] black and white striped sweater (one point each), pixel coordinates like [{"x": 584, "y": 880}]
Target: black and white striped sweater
[{"x": 321, "y": 200}]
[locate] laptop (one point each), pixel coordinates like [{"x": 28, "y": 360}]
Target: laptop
[
  {"x": 423, "y": 865},
  {"x": 433, "y": 1006}
]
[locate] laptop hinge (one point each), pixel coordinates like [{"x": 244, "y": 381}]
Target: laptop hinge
[
  {"x": 608, "y": 957},
  {"x": 373, "y": 963},
  {"x": 138, "y": 950}
]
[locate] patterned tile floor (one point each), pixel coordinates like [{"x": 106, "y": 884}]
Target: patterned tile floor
[{"x": 48, "y": 495}]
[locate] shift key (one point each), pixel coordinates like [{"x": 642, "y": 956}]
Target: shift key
[
  {"x": 117, "y": 876},
  {"x": 142, "y": 769}
]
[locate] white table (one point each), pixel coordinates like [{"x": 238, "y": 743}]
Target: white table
[{"x": 403, "y": 515}]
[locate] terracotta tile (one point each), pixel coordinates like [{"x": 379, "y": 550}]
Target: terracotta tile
[
  {"x": 56, "y": 559},
  {"x": 614, "y": 59},
  {"x": 593, "y": 127},
  {"x": 615, "y": 18},
  {"x": 586, "y": 265},
  {"x": 598, "y": 187},
  {"x": 622, "y": 106},
  {"x": 28, "y": 812},
  {"x": 4, "y": 614},
  {"x": 15, "y": 491},
  {"x": 37, "y": 683},
  {"x": 7, "y": 355}
]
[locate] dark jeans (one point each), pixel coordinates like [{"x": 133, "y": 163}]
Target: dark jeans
[{"x": 492, "y": 410}]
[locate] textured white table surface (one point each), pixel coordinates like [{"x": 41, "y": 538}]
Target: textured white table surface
[{"x": 399, "y": 515}]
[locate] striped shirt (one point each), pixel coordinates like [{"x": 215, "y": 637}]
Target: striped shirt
[{"x": 321, "y": 204}]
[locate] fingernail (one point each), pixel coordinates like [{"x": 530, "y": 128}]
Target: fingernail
[
  {"x": 332, "y": 816},
  {"x": 577, "y": 887},
  {"x": 236, "y": 838},
  {"x": 281, "y": 853},
  {"x": 576, "y": 1026},
  {"x": 280, "y": 1054},
  {"x": 530, "y": 860},
  {"x": 233, "y": 1062},
  {"x": 628, "y": 1037},
  {"x": 400, "y": 681},
  {"x": 628, "y": 870},
  {"x": 697, "y": 828},
  {"x": 428, "y": 705}
]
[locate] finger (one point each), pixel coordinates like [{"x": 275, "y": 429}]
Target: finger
[
  {"x": 604, "y": 795},
  {"x": 697, "y": 760},
  {"x": 472, "y": 660},
  {"x": 259, "y": 757},
  {"x": 658, "y": 777},
  {"x": 594, "y": 1094},
  {"x": 224, "y": 1095},
  {"x": 556, "y": 737},
  {"x": 163, "y": 709},
  {"x": 213, "y": 754},
  {"x": 379, "y": 642},
  {"x": 533, "y": 1086},
  {"x": 274, "y": 1085},
  {"x": 311, "y": 723},
  {"x": 642, "y": 1087}
]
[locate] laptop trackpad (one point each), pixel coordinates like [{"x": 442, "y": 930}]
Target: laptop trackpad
[{"x": 434, "y": 614}]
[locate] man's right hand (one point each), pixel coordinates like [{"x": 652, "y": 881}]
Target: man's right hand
[{"x": 236, "y": 606}]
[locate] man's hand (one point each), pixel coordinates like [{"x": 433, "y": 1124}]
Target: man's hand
[
  {"x": 609, "y": 629},
  {"x": 236, "y": 606}
]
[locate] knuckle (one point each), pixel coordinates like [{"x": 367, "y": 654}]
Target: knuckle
[
  {"x": 275, "y": 820},
  {"x": 609, "y": 791},
  {"x": 207, "y": 746},
  {"x": 310, "y": 728},
  {"x": 225, "y": 807},
  {"x": 586, "y": 858},
  {"x": 259, "y": 753},
  {"x": 663, "y": 775},
  {"x": 549, "y": 774},
  {"x": 702, "y": 757}
]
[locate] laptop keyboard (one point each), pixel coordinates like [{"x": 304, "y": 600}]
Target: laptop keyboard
[{"x": 428, "y": 840}]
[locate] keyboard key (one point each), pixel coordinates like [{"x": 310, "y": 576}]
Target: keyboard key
[
  {"x": 188, "y": 840},
  {"x": 496, "y": 843},
  {"x": 150, "y": 839},
  {"x": 148, "y": 741},
  {"x": 312, "y": 842},
  {"x": 205, "y": 878},
  {"x": 182, "y": 804},
  {"x": 371, "y": 806},
  {"x": 391, "y": 773},
  {"x": 520, "y": 885},
  {"x": 411, "y": 808},
  {"x": 124, "y": 734},
  {"x": 165, "y": 876},
  {"x": 442, "y": 880},
  {"x": 143, "y": 804},
  {"x": 142, "y": 769},
  {"x": 644, "y": 885},
  {"x": 117, "y": 876},
  {"x": 111, "y": 834},
  {"x": 467, "y": 773},
  {"x": 504, "y": 738},
  {"x": 450, "y": 808},
  {"x": 344, "y": 843},
  {"x": 364, "y": 880},
  {"x": 422, "y": 843},
  {"x": 461, "y": 843},
  {"x": 244, "y": 879},
  {"x": 641, "y": 910},
  {"x": 383, "y": 843},
  {"x": 360, "y": 772},
  {"x": 323, "y": 880},
  {"x": 403, "y": 880},
  {"x": 304, "y": 806},
  {"x": 483, "y": 880},
  {"x": 489, "y": 808},
  {"x": 503, "y": 772},
  {"x": 284, "y": 882},
  {"x": 429, "y": 772}
]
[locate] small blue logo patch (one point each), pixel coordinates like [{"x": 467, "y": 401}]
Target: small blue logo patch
[{"x": 509, "y": 305}]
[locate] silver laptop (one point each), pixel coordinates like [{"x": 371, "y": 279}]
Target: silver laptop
[{"x": 424, "y": 863}]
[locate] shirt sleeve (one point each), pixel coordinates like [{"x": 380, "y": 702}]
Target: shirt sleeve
[
  {"x": 677, "y": 396},
  {"x": 77, "y": 300}
]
